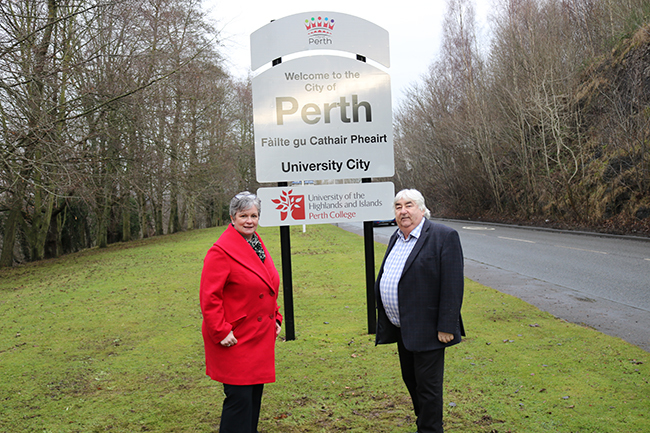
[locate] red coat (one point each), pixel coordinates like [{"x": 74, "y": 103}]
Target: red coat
[{"x": 239, "y": 293}]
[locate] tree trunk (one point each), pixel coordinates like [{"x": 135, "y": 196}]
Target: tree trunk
[
  {"x": 103, "y": 215},
  {"x": 9, "y": 235},
  {"x": 126, "y": 219},
  {"x": 37, "y": 232}
]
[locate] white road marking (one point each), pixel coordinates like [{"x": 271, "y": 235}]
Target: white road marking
[
  {"x": 581, "y": 249},
  {"x": 518, "y": 240}
]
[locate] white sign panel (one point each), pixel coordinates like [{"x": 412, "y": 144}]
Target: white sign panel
[
  {"x": 319, "y": 31},
  {"x": 322, "y": 117},
  {"x": 325, "y": 204}
]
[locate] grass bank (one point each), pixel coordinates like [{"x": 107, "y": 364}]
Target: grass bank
[{"x": 109, "y": 340}]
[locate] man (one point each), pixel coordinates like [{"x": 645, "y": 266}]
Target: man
[{"x": 419, "y": 292}]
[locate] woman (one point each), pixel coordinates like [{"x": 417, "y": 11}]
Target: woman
[{"x": 239, "y": 291}]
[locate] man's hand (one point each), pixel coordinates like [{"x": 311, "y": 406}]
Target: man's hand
[{"x": 444, "y": 337}]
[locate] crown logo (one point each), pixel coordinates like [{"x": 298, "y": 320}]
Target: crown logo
[{"x": 319, "y": 26}]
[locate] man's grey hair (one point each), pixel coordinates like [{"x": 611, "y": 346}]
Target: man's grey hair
[
  {"x": 415, "y": 196},
  {"x": 243, "y": 201}
]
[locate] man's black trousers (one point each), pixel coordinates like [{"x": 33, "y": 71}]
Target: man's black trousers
[{"x": 423, "y": 374}]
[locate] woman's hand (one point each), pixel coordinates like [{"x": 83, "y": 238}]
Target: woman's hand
[
  {"x": 278, "y": 328},
  {"x": 230, "y": 340}
]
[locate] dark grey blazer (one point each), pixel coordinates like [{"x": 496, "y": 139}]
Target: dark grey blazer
[{"x": 430, "y": 291}]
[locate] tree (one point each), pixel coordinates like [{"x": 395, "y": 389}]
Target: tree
[
  {"x": 505, "y": 132},
  {"x": 101, "y": 110},
  {"x": 34, "y": 83}
]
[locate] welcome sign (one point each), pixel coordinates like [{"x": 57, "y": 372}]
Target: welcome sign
[
  {"x": 325, "y": 115},
  {"x": 322, "y": 112}
]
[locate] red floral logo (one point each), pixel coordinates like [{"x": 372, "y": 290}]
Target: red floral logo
[{"x": 288, "y": 203}]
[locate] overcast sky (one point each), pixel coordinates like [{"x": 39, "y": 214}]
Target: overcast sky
[{"x": 414, "y": 28}]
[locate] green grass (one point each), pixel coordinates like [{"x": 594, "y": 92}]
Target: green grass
[{"x": 110, "y": 340}]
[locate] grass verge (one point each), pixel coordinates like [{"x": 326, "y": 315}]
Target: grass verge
[{"x": 109, "y": 340}]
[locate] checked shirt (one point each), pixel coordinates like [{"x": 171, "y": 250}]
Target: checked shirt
[{"x": 393, "y": 267}]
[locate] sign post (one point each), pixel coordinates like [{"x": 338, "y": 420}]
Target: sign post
[
  {"x": 322, "y": 112},
  {"x": 287, "y": 280}
]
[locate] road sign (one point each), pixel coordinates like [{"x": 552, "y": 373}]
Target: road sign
[
  {"x": 321, "y": 117},
  {"x": 325, "y": 116}
]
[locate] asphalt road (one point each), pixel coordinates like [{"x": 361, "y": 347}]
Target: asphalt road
[{"x": 595, "y": 280}]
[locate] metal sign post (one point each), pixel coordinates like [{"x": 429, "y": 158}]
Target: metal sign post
[
  {"x": 287, "y": 280},
  {"x": 369, "y": 249}
]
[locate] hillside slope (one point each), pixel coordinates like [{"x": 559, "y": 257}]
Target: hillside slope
[{"x": 614, "y": 97}]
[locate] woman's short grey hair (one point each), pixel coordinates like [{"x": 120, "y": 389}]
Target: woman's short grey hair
[
  {"x": 243, "y": 201},
  {"x": 415, "y": 196}
]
